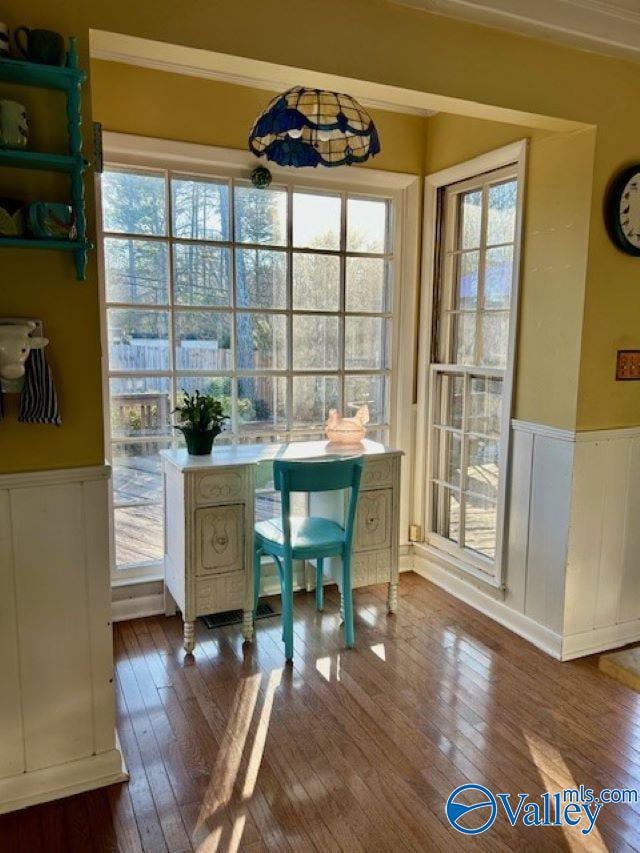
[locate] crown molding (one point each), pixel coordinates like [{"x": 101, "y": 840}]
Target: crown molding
[{"x": 610, "y": 27}]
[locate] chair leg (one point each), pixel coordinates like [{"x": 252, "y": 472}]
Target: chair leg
[
  {"x": 287, "y": 607},
  {"x": 257, "y": 554},
  {"x": 319, "y": 587},
  {"x": 347, "y": 602}
]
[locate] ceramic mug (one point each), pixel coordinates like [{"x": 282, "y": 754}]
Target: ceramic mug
[
  {"x": 11, "y": 217},
  {"x": 14, "y": 129},
  {"x": 43, "y": 46},
  {"x": 4, "y": 40},
  {"x": 51, "y": 220}
]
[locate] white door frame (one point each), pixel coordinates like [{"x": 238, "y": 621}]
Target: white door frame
[{"x": 513, "y": 154}]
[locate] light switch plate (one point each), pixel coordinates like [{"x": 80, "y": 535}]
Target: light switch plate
[{"x": 628, "y": 365}]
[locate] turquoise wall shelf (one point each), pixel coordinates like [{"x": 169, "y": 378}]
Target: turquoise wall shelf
[{"x": 68, "y": 79}]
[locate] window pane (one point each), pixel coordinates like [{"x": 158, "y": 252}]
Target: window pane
[
  {"x": 139, "y": 534},
  {"x": 315, "y": 342},
  {"x": 495, "y": 334},
  {"x": 217, "y": 386},
  {"x": 202, "y": 275},
  {"x": 368, "y": 284},
  {"x": 262, "y": 402},
  {"x": 366, "y": 343},
  {"x": 366, "y": 225},
  {"x": 501, "y": 222},
  {"x": 467, "y": 290},
  {"x": 200, "y": 209},
  {"x": 498, "y": 277},
  {"x": 448, "y": 409},
  {"x": 261, "y": 341},
  {"x": 316, "y": 221},
  {"x": 261, "y": 215},
  {"x": 313, "y": 396},
  {"x": 471, "y": 215},
  {"x": 137, "y": 472},
  {"x": 202, "y": 340},
  {"x": 261, "y": 279},
  {"x": 136, "y": 271},
  {"x": 138, "y": 340},
  {"x": 482, "y": 467},
  {"x": 464, "y": 338},
  {"x": 446, "y": 513},
  {"x": 140, "y": 406},
  {"x": 371, "y": 390},
  {"x": 447, "y": 456},
  {"x": 480, "y": 525},
  {"x": 133, "y": 203},
  {"x": 485, "y": 405},
  {"x": 316, "y": 282}
]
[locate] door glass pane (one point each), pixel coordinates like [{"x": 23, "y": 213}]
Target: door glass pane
[
  {"x": 261, "y": 278},
  {"x": 366, "y": 225},
  {"x": 203, "y": 340},
  {"x": 261, "y": 341},
  {"x": 137, "y": 472},
  {"x": 480, "y": 525},
  {"x": 366, "y": 344},
  {"x": 218, "y": 386},
  {"x": 471, "y": 218},
  {"x": 368, "y": 284},
  {"x": 447, "y": 450},
  {"x": 485, "y": 405},
  {"x": 449, "y": 400},
  {"x": 140, "y": 406},
  {"x": 200, "y": 209},
  {"x": 316, "y": 282},
  {"x": 313, "y": 396},
  {"x": 261, "y": 216},
  {"x": 133, "y": 203},
  {"x": 464, "y": 338},
  {"x": 495, "y": 339},
  {"x": 446, "y": 512},
  {"x": 138, "y": 340},
  {"x": 371, "y": 390},
  {"x": 315, "y": 342},
  {"x": 139, "y": 534},
  {"x": 202, "y": 275},
  {"x": 262, "y": 402},
  {"x": 482, "y": 467},
  {"x": 501, "y": 224},
  {"x": 316, "y": 221},
  {"x": 498, "y": 277},
  {"x": 136, "y": 271},
  {"x": 467, "y": 290}
]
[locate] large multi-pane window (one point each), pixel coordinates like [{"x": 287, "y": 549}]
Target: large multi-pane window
[
  {"x": 277, "y": 301},
  {"x": 473, "y": 321}
]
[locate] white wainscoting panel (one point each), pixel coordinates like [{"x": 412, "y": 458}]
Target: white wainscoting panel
[{"x": 57, "y": 724}]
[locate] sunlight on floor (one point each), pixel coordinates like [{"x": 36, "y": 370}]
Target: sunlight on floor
[
  {"x": 326, "y": 665},
  {"x": 379, "y": 650}
]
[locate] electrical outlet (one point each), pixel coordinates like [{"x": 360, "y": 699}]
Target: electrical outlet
[{"x": 628, "y": 365}]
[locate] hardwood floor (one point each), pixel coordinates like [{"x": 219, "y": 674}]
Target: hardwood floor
[{"x": 346, "y": 750}]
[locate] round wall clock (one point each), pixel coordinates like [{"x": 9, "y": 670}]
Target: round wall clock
[{"x": 622, "y": 212}]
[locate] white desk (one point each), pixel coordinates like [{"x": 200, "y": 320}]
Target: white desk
[{"x": 209, "y": 520}]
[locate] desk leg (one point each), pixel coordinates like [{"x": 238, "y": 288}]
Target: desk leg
[
  {"x": 247, "y": 625},
  {"x": 189, "y": 637},
  {"x": 392, "y": 598}
]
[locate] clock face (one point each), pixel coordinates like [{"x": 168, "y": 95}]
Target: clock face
[{"x": 623, "y": 211}]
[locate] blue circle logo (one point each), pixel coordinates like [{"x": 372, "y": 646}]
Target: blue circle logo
[{"x": 456, "y": 810}]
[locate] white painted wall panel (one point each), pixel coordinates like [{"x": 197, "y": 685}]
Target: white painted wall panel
[
  {"x": 630, "y": 582},
  {"x": 518, "y": 497}
]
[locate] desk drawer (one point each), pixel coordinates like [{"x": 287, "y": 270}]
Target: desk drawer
[
  {"x": 371, "y": 568},
  {"x": 221, "y": 593},
  {"x": 373, "y": 520},
  {"x": 377, "y": 473},
  {"x": 211, "y": 487},
  {"x": 219, "y": 539}
]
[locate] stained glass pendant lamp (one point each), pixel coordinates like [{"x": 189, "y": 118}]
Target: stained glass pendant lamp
[{"x": 311, "y": 127}]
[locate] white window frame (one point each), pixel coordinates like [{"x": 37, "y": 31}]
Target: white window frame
[
  {"x": 132, "y": 152},
  {"x": 483, "y": 569}
]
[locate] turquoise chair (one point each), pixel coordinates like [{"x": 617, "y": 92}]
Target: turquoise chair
[{"x": 290, "y": 538}]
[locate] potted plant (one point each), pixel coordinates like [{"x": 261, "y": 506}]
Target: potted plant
[{"x": 201, "y": 419}]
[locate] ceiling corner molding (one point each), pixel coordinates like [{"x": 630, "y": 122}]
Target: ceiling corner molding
[{"x": 609, "y": 27}]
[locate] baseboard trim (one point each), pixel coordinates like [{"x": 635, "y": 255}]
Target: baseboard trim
[
  {"x": 600, "y": 639},
  {"x": 137, "y": 607},
  {"x": 543, "y": 638},
  {"x": 63, "y": 780}
]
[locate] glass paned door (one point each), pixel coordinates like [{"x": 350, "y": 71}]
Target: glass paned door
[{"x": 470, "y": 376}]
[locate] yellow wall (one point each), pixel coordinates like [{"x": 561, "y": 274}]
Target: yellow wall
[
  {"x": 369, "y": 40},
  {"x": 555, "y": 244},
  {"x": 191, "y": 109}
]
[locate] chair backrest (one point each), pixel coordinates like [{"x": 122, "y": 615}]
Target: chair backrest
[{"x": 325, "y": 474}]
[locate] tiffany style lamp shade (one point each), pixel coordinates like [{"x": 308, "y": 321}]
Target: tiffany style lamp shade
[{"x": 311, "y": 127}]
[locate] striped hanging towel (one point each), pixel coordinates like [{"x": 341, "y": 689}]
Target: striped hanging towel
[{"x": 38, "y": 400}]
